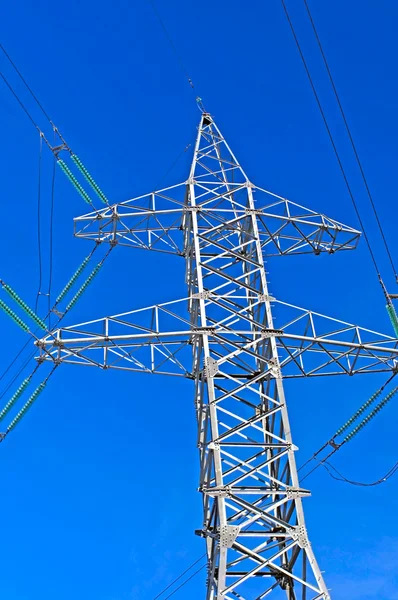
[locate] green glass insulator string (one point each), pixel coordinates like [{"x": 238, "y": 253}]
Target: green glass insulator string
[
  {"x": 371, "y": 415},
  {"x": 74, "y": 182},
  {"x": 31, "y": 313},
  {"x": 73, "y": 279},
  {"x": 14, "y": 398},
  {"x": 26, "y": 406},
  {"x": 89, "y": 178},
  {"x": 358, "y": 413},
  {"x": 85, "y": 285},
  {"x": 13, "y": 316},
  {"x": 393, "y": 317}
]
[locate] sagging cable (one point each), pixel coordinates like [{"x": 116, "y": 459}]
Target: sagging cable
[
  {"x": 336, "y": 445},
  {"x": 31, "y": 313},
  {"x": 74, "y": 181},
  {"x": 89, "y": 178},
  {"x": 85, "y": 285}
]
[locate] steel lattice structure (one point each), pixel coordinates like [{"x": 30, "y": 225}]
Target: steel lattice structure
[{"x": 222, "y": 336}]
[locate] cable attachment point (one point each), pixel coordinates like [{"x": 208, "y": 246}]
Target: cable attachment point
[
  {"x": 333, "y": 444},
  {"x": 57, "y": 149},
  {"x": 199, "y": 102},
  {"x": 383, "y": 287}
]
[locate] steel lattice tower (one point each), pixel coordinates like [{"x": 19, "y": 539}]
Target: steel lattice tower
[{"x": 222, "y": 336}]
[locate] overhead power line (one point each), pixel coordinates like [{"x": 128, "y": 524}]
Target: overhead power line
[
  {"x": 347, "y": 127},
  {"x": 39, "y": 225},
  {"x": 330, "y": 135},
  {"x": 21, "y": 104},
  {"x": 51, "y": 251},
  {"x": 176, "y": 53},
  {"x": 35, "y": 98},
  {"x": 359, "y": 415},
  {"x": 185, "y": 582},
  {"x": 172, "y": 44},
  {"x": 329, "y": 467},
  {"x": 180, "y": 576},
  {"x": 26, "y": 83},
  {"x": 341, "y": 477}
]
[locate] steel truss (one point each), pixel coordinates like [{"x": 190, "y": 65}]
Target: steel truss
[{"x": 222, "y": 336}]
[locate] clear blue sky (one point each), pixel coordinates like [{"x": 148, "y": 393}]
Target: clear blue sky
[{"x": 98, "y": 482}]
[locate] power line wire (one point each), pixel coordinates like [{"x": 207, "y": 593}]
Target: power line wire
[
  {"x": 185, "y": 582},
  {"x": 26, "y": 84},
  {"x": 14, "y": 360},
  {"x": 42, "y": 137},
  {"x": 351, "y": 138},
  {"x": 328, "y": 466},
  {"x": 39, "y": 226},
  {"x": 24, "y": 346},
  {"x": 180, "y": 576},
  {"x": 20, "y": 102},
  {"x": 341, "y": 477},
  {"x": 331, "y": 442},
  {"x": 173, "y": 164},
  {"x": 354, "y": 203},
  {"x": 50, "y": 275},
  {"x": 173, "y": 46}
]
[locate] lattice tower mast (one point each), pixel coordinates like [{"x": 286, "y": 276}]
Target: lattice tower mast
[{"x": 222, "y": 336}]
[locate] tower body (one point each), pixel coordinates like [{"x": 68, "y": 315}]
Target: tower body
[
  {"x": 222, "y": 337},
  {"x": 253, "y": 521}
]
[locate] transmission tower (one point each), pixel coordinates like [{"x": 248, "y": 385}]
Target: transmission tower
[{"x": 222, "y": 336}]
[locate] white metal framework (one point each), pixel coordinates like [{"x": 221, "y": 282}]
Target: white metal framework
[{"x": 222, "y": 336}]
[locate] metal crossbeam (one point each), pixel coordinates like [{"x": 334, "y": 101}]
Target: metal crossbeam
[
  {"x": 153, "y": 222},
  {"x": 223, "y": 337},
  {"x": 159, "y": 339}
]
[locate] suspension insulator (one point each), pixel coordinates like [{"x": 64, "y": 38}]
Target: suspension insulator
[
  {"x": 26, "y": 406},
  {"x": 74, "y": 181},
  {"x": 393, "y": 318},
  {"x": 84, "y": 286},
  {"x": 358, "y": 413},
  {"x": 90, "y": 179},
  {"x": 14, "y": 398},
  {"x": 371, "y": 415},
  {"x": 13, "y": 316},
  {"x": 73, "y": 279},
  {"x": 24, "y": 306}
]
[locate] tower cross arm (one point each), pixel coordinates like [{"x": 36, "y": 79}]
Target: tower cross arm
[
  {"x": 157, "y": 220},
  {"x": 159, "y": 339}
]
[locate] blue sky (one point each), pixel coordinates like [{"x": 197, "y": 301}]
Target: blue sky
[{"x": 99, "y": 480}]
